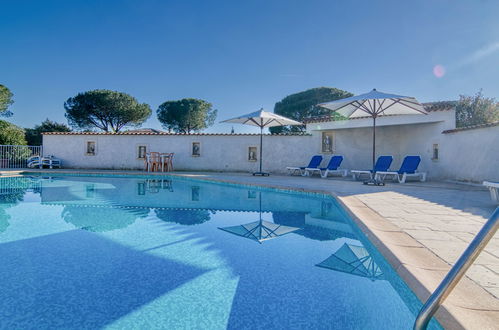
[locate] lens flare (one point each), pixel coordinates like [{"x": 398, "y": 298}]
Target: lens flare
[{"x": 439, "y": 71}]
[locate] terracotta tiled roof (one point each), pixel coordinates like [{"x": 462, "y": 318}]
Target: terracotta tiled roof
[
  {"x": 459, "y": 129},
  {"x": 429, "y": 106},
  {"x": 145, "y": 130},
  {"x": 166, "y": 133}
]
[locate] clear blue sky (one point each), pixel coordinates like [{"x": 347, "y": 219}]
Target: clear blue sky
[{"x": 242, "y": 55}]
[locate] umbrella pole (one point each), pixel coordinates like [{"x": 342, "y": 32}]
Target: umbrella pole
[
  {"x": 260, "y": 172},
  {"x": 374, "y": 141},
  {"x": 373, "y": 181},
  {"x": 261, "y": 144}
]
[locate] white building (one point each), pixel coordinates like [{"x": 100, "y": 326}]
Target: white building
[{"x": 469, "y": 154}]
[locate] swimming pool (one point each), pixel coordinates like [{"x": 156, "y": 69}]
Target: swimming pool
[{"x": 138, "y": 252}]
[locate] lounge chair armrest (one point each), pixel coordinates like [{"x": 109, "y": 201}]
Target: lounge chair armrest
[
  {"x": 491, "y": 184},
  {"x": 387, "y": 172}
]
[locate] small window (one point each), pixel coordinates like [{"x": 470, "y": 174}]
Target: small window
[
  {"x": 141, "y": 152},
  {"x": 435, "y": 152},
  {"x": 195, "y": 193},
  {"x": 252, "y": 157},
  {"x": 327, "y": 142},
  {"x": 196, "y": 149},
  {"x": 252, "y": 194},
  {"x": 141, "y": 188},
  {"x": 90, "y": 151},
  {"x": 326, "y": 209},
  {"x": 90, "y": 190}
]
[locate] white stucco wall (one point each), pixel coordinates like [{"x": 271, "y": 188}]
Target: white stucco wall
[
  {"x": 397, "y": 136},
  {"x": 469, "y": 155},
  {"x": 218, "y": 152}
]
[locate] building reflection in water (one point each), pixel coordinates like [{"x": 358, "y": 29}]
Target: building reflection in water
[{"x": 154, "y": 186}]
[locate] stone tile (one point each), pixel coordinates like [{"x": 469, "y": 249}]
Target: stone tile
[
  {"x": 464, "y": 296},
  {"x": 465, "y": 228},
  {"x": 472, "y": 319},
  {"x": 485, "y": 258},
  {"x": 483, "y": 276},
  {"x": 396, "y": 238},
  {"x": 464, "y": 236},
  {"x": 407, "y": 225},
  {"x": 493, "y": 291},
  {"x": 431, "y": 235},
  {"x": 417, "y": 257},
  {"x": 446, "y": 251},
  {"x": 494, "y": 268}
]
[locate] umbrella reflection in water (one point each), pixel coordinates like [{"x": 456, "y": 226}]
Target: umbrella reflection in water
[
  {"x": 353, "y": 259},
  {"x": 260, "y": 230}
]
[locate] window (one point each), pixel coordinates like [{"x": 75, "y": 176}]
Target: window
[
  {"x": 435, "y": 152},
  {"x": 252, "y": 154},
  {"x": 327, "y": 142},
  {"x": 196, "y": 149},
  {"x": 90, "y": 190},
  {"x": 141, "y": 188},
  {"x": 90, "y": 151},
  {"x": 195, "y": 193},
  {"x": 141, "y": 152},
  {"x": 326, "y": 209}
]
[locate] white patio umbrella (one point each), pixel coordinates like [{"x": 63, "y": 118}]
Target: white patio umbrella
[
  {"x": 375, "y": 104},
  {"x": 262, "y": 119}
]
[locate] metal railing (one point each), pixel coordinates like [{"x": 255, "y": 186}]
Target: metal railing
[
  {"x": 457, "y": 271},
  {"x": 15, "y": 156}
]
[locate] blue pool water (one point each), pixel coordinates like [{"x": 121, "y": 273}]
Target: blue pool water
[{"x": 122, "y": 252}]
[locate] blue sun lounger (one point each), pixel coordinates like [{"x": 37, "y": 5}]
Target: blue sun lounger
[
  {"x": 314, "y": 163},
  {"x": 49, "y": 161},
  {"x": 382, "y": 165},
  {"x": 494, "y": 190},
  {"x": 408, "y": 169},
  {"x": 332, "y": 168}
]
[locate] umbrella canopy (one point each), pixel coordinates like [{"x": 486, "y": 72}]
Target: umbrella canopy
[
  {"x": 353, "y": 259},
  {"x": 262, "y": 119},
  {"x": 375, "y": 104},
  {"x": 260, "y": 230}
]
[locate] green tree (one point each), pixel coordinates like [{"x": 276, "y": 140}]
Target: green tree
[
  {"x": 5, "y": 101},
  {"x": 186, "y": 115},
  {"x": 11, "y": 134},
  {"x": 302, "y": 105},
  {"x": 476, "y": 110},
  {"x": 34, "y": 135},
  {"x": 107, "y": 110}
]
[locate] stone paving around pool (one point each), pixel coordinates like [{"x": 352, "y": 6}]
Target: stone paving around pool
[
  {"x": 444, "y": 230},
  {"x": 421, "y": 228}
]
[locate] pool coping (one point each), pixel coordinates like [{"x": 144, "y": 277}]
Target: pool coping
[{"x": 468, "y": 305}]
